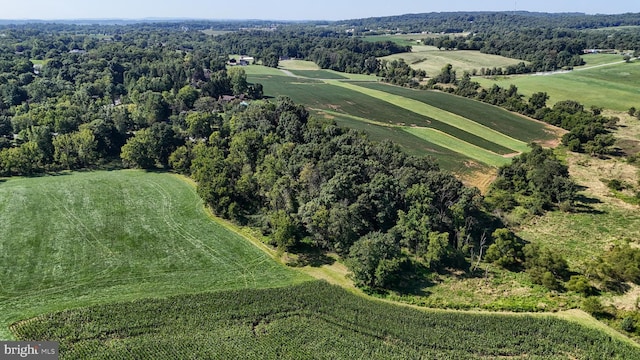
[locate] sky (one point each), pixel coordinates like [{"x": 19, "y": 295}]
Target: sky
[{"x": 287, "y": 9}]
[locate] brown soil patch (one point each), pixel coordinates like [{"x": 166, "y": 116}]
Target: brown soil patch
[
  {"x": 481, "y": 179},
  {"x": 627, "y": 301},
  {"x": 589, "y": 172}
]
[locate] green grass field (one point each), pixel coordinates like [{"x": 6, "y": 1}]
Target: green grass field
[
  {"x": 312, "y": 320},
  {"x": 493, "y": 117},
  {"x": 432, "y": 60},
  {"x": 98, "y": 237},
  {"x": 613, "y": 87}
]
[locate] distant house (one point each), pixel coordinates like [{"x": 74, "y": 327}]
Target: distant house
[
  {"x": 245, "y": 60},
  {"x": 230, "y": 98}
]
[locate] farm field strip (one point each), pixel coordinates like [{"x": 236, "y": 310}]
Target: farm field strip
[
  {"x": 439, "y": 138},
  {"x": 320, "y": 95},
  {"x": 442, "y": 116},
  {"x": 318, "y": 74},
  {"x": 447, "y": 159},
  {"x": 452, "y": 143},
  {"x": 496, "y": 118}
]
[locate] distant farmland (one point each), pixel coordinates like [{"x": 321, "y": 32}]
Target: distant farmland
[
  {"x": 432, "y": 60},
  {"x": 609, "y": 83},
  {"x": 465, "y": 135}
]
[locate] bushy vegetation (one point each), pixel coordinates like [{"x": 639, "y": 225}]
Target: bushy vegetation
[
  {"x": 311, "y": 320},
  {"x": 537, "y": 181}
]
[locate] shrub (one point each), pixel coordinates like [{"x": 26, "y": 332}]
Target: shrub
[
  {"x": 592, "y": 306},
  {"x": 580, "y": 284},
  {"x": 628, "y": 324},
  {"x": 545, "y": 268}
]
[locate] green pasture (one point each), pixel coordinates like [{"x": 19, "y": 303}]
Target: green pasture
[
  {"x": 442, "y": 116},
  {"x": 496, "y": 118},
  {"x": 314, "y": 320},
  {"x": 613, "y": 87},
  {"x": 599, "y": 59},
  {"x": 432, "y": 60},
  {"x": 259, "y": 70},
  {"x": 99, "y": 237}
]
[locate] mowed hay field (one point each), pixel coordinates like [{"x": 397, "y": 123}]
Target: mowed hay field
[
  {"x": 612, "y": 85},
  {"x": 432, "y": 60},
  {"x": 313, "y": 320},
  {"x": 98, "y": 237}
]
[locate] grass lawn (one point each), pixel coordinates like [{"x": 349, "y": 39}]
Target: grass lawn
[
  {"x": 97, "y": 237},
  {"x": 613, "y": 87}
]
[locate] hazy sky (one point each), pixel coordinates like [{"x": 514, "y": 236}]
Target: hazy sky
[{"x": 287, "y": 9}]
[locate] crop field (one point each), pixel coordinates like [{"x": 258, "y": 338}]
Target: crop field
[
  {"x": 432, "y": 60},
  {"x": 610, "y": 86},
  {"x": 319, "y": 74},
  {"x": 351, "y": 100},
  {"x": 311, "y": 320},
  {"x": 450, "y": 160},
  {"x": 481, "y": 135},
  {"x": 443, "y": 116},
  {"x": 98, "y": 237},
  {"x": 493, "y": 117},
  {"x": 455, "y": 144}
]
